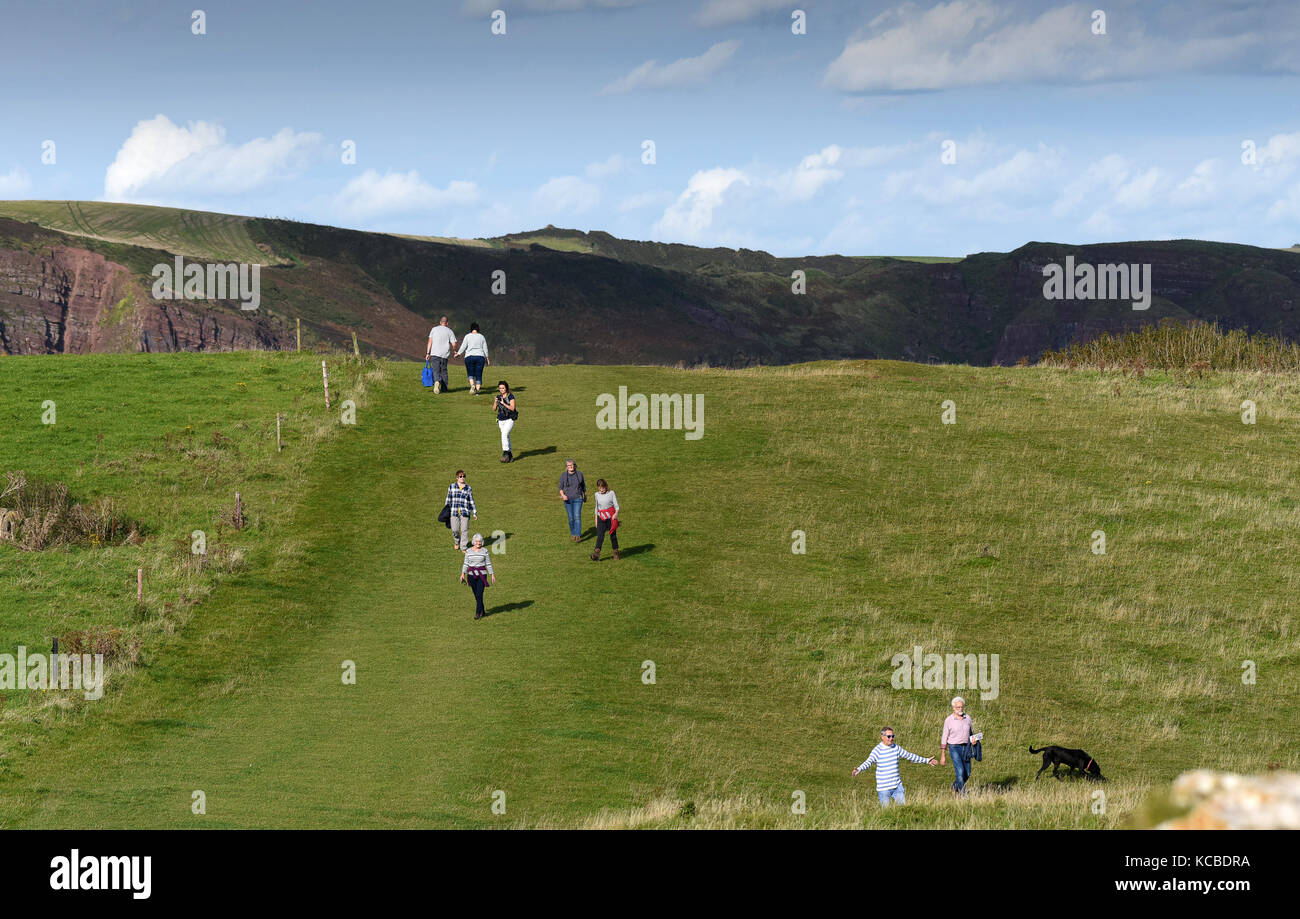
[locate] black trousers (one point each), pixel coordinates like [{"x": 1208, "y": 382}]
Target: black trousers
[
  {"x": 478, "y": 587},
  {"x": 602, "y": 527}
]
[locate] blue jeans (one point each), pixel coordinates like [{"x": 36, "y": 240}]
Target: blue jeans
[
  {"x": 896, "y": 793},
  {"x": 960, "y": 754},
  {"x": 474, "y": 368},
  {"x": 573, "y": 507}
]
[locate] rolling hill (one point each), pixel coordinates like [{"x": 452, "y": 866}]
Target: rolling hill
[{"x": 75, "y": 277}]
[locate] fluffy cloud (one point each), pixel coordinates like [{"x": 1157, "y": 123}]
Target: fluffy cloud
[
  {"x": 160, "y": 158},
  {"x": 566, "y": 195},
  {"x": 14, "y": 183},
  {"x": 371, "y": 195},
  {"x": 687, "y": 71},
  {"x": 692, "y": 213},
  {"x": 978, "y": 42}
]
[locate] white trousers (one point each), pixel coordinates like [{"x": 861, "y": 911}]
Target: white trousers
[{"x": 505, "y": 427}]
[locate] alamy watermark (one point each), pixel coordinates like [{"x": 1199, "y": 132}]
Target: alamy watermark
[
  {"x": 233, "y": 281},
  {"x": 51, "y": 670},
  {"x": 946, "y": 671},
  {"x": 658, "y": 411},
  {"x": 1098, "y": 282}
]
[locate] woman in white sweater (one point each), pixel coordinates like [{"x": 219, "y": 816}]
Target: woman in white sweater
[
  {"x": 474, "y": 347},
  {"x": 606, "y": 518},
  {"x": 478, "y": 567}
]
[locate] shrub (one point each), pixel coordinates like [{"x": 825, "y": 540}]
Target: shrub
[
  {"x": 1194, "y": 349},
  {"x": 50, "y": 517}
]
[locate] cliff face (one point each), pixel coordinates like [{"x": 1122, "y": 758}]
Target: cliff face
[
  {"x": 58, "y": 304},
  {"x": 74, "y": 301}
]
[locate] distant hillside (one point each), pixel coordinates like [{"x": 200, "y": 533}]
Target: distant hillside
[{"x": 76, "y": 277}]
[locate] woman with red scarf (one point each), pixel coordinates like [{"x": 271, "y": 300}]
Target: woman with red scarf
[{"x": 606, "y": 518}]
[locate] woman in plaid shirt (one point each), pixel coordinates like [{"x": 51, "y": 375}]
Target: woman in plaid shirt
[{"x": 460, "y": 500}]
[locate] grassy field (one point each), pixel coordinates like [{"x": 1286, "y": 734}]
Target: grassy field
[
  {"x": 772, "y": 668},
  {"x": 198, "y": 234}
]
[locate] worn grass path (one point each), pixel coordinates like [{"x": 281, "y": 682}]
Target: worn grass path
[
  {"x": 251, "y": 708},
  {"x": 773, "y": 668}
]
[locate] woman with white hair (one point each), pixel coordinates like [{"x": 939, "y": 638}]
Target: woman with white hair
[
  {"x": 478, "y": 567},
  {"x": 956, "y": 739}
]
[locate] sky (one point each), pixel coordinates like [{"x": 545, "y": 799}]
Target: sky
[{"x": 800, "y": 128}]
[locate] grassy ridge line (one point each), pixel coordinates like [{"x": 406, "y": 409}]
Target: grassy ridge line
[
  {"x": 773, "y": 668},
  {"x": 197, "y": 234}
]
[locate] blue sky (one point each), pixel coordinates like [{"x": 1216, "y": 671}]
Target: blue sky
[{"x": 828, "y": 141}]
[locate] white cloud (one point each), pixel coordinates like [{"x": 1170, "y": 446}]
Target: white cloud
[
  {"x": 371, "y": 194},
  {"x": 692, "y": 213},
  {"x": 15, "y": 183},
  {"x": 1279, "y": 149},
  {"x": 687, "y": 71},
  {"x": 813, "y": 171},
  {"x": 608, "y": 167},
  {"x": 978, "y": 42},
  {"x": 729, "y": 12},
  {"x": 161, "y": 158},
  {"x": 566, "y": 195}
]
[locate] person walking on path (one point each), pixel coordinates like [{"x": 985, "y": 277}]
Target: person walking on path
[
  {"x": 956, "y": 739},
  {"x": 884, "y": 757},
  {"x": 504, "y": 404},
  {"x": 460, "y": 501},
  {"x": 889, "y": 781},
  {"x": 441, "y": 340},
  {"x": 475, "y": 571},
  {"x": 573, "y": 491},
  {"x": 474, "y": 347},
  {"x": 606, "y": 519}
]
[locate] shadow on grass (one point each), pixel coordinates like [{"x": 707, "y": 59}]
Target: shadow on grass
[
  {"x": 540, "y": 451},
  {"x": 1000, "y": 786},
  {"x": 509, "y": 607},
  {"x": 636, "y": 550}
]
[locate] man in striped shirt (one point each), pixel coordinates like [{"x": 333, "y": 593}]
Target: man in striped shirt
[{"x": 889, "y": 783}]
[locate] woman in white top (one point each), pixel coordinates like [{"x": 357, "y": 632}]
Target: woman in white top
[
  {"x": 474, "y": 347},
  {"x": 475, "y": 571},
  {"x": 606, "y": 518}
]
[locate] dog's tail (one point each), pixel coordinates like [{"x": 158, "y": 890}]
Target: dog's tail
[{"x": 1032, "y": 750}]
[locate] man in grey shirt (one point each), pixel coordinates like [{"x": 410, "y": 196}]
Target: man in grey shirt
[
  {"x": 573, "y": 491},
  {"x": 441, "y": 340}
]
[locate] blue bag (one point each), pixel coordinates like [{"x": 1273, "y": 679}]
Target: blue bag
[{"x": 427, "y": 376}]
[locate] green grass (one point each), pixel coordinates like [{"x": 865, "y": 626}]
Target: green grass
[
  {"x": 773, "y": 669},
  {"x": 198, "y": 234}
]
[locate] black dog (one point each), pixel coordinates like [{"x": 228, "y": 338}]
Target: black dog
[{"x": 1074, "y": 760}]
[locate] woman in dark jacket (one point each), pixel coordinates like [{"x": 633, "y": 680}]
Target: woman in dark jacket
[{"x": 504, "y": 404}]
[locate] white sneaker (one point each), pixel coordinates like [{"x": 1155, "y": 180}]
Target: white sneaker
[{"x": 437, "y": 386}]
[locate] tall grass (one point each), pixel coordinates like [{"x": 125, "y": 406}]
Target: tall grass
[{"x": 1196, "y": 347}]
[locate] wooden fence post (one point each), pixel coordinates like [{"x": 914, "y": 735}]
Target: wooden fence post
[
  {"x": 139, "y": 585},
  {"x": 355, "y": 350},
  {"x": 326, "y": 377},
  {"x": 300, "y": 333},
  {"x": 279, "y": 444}
]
